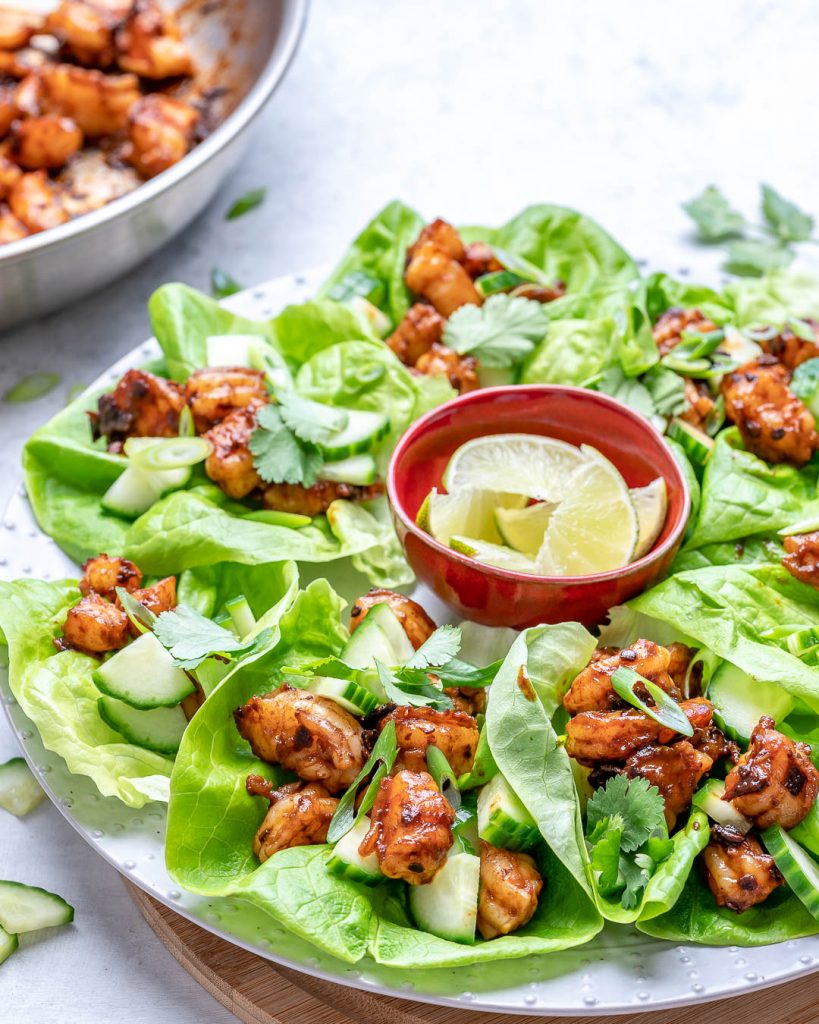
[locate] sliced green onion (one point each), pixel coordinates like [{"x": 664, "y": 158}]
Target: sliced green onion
[
  {"x": 362, "y": 284},
  {"x": 762, "y": 333},
  {"x": 802, "y": 329},
  {"x": 445, "y": 778},
  {"x": 187, "y": 427},
  {"x": 141, "y": 617},
  {"x": 803, "y": 526},
  {"x": 171, "y": 453},
  {"x": 716, "y": 417},
  {"x": 290, "y": 520},
  {"x": 518, "y": 265},
  {"x": 803, "y": 642},
  {"x": 222, "y": 284},
  {"x": 29, "y": 388},
  {"x": 499, "y": 281},
  {"x": 667, "y": 711},
  {"x": 686, "y": 366},
  {"x": 244, "y": 204},
  {"x": 380, "y": 763}
]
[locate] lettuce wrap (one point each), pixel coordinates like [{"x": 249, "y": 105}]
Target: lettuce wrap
[
  {"x": 56, "y": 690},
  {"x": 331, "y": 356},
  {"x": 212, "y": 820}
]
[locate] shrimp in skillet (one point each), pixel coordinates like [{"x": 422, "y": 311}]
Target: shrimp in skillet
[
  {"x": 299, "y": 815},
  {"x": 510, "y": 887},
  {"x": 161, "y": 130},
  {"x": 150, "y": 44}
]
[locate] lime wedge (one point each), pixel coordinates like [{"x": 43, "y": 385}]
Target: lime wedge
[
  {"x": 469, "y": 512},
  {"x": 523, "y": 529},
  {"x": 651, "y": 505},
  {"x": 492, "y": 554},
  {"x": 594, "y": 528},
  {"x": 527, "y": 464}
]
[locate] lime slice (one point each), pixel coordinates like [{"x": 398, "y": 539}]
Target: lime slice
[
  {"x": 523, "y": 529},
  {"x": 493, "y": 554},
  {"x": 528, "y": 464},
  {"x": 594, "y": 528},
  {"x": 651, "y": 506},
  {"x": 468, "y": 512}
]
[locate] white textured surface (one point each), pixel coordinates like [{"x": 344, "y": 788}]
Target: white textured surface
[{"x": 471, "y": 110}]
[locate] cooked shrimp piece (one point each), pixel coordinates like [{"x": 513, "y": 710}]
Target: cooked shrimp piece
[
  {"x": 452, "y": 732},
  {"x": 306, "y": 734},
  {"x": 150, "y": 43},
  {"x": 160, "y": 132},
  {"x": 510, "y": 887},
  {"x": 774, "y": 782},
  {"x": 603, "y": 736},
  {"x": 98, "y": 103},
  {"x": 10, "y": 174},
  {"x": 410, "y": 828},
  {"x": 102, "y": 575},
  {"x": 141, "y": 405},
  {"x": 738, "y": 871},
  {"x": 592, "y": 689},
  {"x": 214, "y": 393},
  {"x": 299, "y": 815},
  {"x": 478, "y": 259},
  {"x": 670, "y": 326},
  {"x": 89, "y": 182},
  {"x": 46, "y": 142},
  {"x": 159, "y": 598},
  {"x": 712, "y": 741},
  {"x": 462, "y": 371},
  {"x": 17, "y": 26},
  {"x": 230, "y": 463},
  {"x": 470, "y": 700},
  {"x": 421, "y": 328},
  {"x": 96, "y": 626},
  {"x": 415, "y": 622},
  {"x": 35, "y": 200},
  {"x": 700, "y": 404},
  {"x": 775, "y": 425},
  {"x": 675, "y": 770},
  {"x": 679, "y": 660},
  {"x": 789, "y": 349},
  {"x": 541, "y": 292},
  {"x": 86, "y": 28},
  {"x": 315, "y": 500},
  {"x": 11, "y": 229},
  {"x": 802, "y": 557},
  {"x": 433, "y": 274},
  {"x": 9, "y": 111},
  {"x": 441, "y": 233}
]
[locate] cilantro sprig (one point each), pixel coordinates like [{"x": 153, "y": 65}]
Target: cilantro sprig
[
  {"x": 501, "y": 333},
  {"x": 190, "y": 638},
  {"x": 751, "y": 249},
  {"x": 279, "y": 455}
]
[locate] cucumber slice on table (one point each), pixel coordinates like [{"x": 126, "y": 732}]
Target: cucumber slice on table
[
  {"x": 502, "y": 819},
  {"x": 709, "y": 799},
  {"x": 806, "y": 833},
  {"x": 157, "y": 729},
  {"x": 696, "y": 444},
  {"x": 8, "y": 944},
  {"x": 20, "y": 792},
  {"x": 135, "y": 490},
  {"x": 800, "y": 870},
  {"x": 26, "y": 908},
  {"x": 143, "y": 675},
  {"x": 448, "y": 906},
  {"x": 740, "y": 701},
  {"x": 346, "y": 693},
  {"x": 347, "y": 862},
  {"x": 360, "y": 470},
  {"x": 363, "y": 430},
  {"x": 241, "y": 615}
]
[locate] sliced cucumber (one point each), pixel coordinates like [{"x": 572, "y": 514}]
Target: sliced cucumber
[
  {"x": 709, "y": 799},
  {"x": 448, "y": 905},
  {"x": 230, "y": 349},
  {"x": 20, "y": 792},
  {"x": 136, "y": 490},
  {"x": 158, "y": 729},
  {"x": 365, "y": 645},
  {"x": 347, "y": 862},
  {"x": 394, "y": 631},
  {"x": 8, "y": 944},
  {"x": 496, "y": 376},
  {"x": 241, "y": 615},
  {"x": 358, "y": 469},
  {"x": 800, "y": 870},
  {"x": 696, "y": 444},
  {"x": 144, "y": 675},
  {"x": 267, "y": 359},
  {"x": 346, "y": 693},
  {"x": 163, "y": 454},
  {"x": 26, "y": 908},
  {"x": 363, "y": 430},
  {"x": 502, "y": 819},
  {"x": 498, "y": 281},
  {"x": 740, "y": 701},
  {"x": 806, "y": 833}
]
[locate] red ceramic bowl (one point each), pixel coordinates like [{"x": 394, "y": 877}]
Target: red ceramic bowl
[{"x": 500, "y": 597}]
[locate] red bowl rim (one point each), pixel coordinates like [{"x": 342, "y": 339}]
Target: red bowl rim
[{"x": 585, "y": 394}]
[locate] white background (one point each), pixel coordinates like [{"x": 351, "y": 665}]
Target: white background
[{"x": 469, "y": 109}]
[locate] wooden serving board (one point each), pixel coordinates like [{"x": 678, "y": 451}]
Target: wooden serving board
[{"x": 259, "y": 992}]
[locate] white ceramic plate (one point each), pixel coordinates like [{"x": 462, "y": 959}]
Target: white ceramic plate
[{"x": 621, "y": 971}]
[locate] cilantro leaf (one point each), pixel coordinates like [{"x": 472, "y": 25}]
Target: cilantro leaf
[
  {"x": 785, "y": 218},
  {"x": 639, "y": 804},
  {"x": 310, "y": 421},
  {"x": 605, "y": 856},
  {"x": 501, "y": 332},
  {"x": 636, "y": 872},
  {"x": 437, "y": 649},
  {"x": 416, "y": 693},
  {"x": 190, "y": 638},
  {"x": 628, "y": 390},
  {"x": 751, "y": 257},
  {"x": 715, "y": 218},
  {"x": 667, "y": 390},
  {"x": 279, "y": 456}
]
